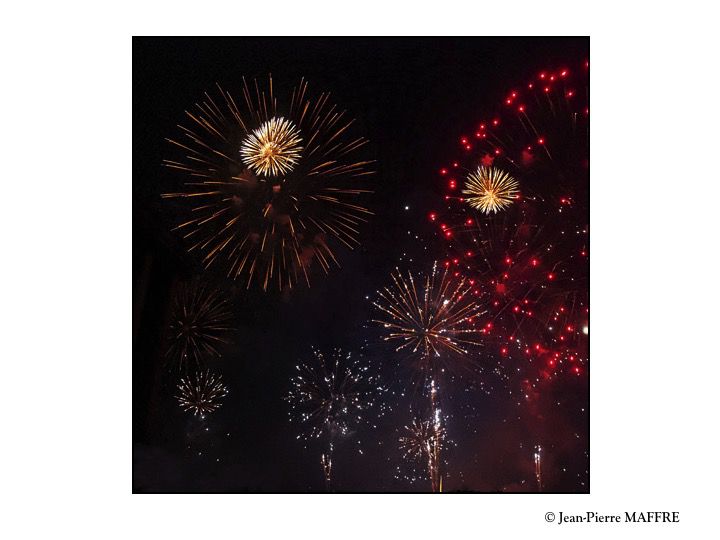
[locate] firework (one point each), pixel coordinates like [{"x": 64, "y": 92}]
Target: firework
[
  {"x": 423, "y": 441},
  {"x": 330, "y": 397},
  {"x": 537, "y": 456},
  {"x": 432, "y": 320},
  {"x": 273, "y": 185},
  {"x": 273, "y": 149},
  {"x": 201, "y": 393},
  {"x": 531, "y": 258},
  {"x": 490, "y": 189},
  {"x": 199, "y": 323}
]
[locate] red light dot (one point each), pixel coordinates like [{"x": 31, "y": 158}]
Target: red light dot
[
  {"x": 455, "y": 164},
  {"x": 542, "y": 75},
  {"x": 508, "y": 101},
  {"x": 452, "y": 184},
  {"x": 547, "y": 89},
  {"x": 497, "y": 151},
  {"x": 508, "y": 260},
  {"x": 443, "y": 226},
  {"x": 516, "y": 309},
  {"x": 469, "y": 254},
  {"x": 541, "y": 141},
  {"x": 468, "y": 147},
  {"x": 570, "y": 93},
  {"x": 521, "y": 108},
  {"x": 503, "y": 350},
  {"x": 443, "y": 171},
  {"x": 496, "y": 122},
  {"x": 534, "y": 262},
  {"x": 513, "y": 95},
  {"x": 563, "y": 72},
  {"x": 569, "y": 328},
  {"x": 469, "y": 222},
  {"x": 530, "y": 85},
  {"x": 529, "y": 313},
  {"x": 551, "y": 276},
  {"x": 482, "y": 126},
  {"x": 464, "y": 140},
  {"x": 455, "y": 261},
  {"x": 577, "y": 370}
]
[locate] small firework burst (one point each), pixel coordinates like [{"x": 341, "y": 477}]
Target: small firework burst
[
  {"x": 419, "y": 440},
  {"x": 274, "y": 185},
  {"x": 330, "y": 398},
  {"x": 490, "y": 189},
  {"x": 273, "y": 149},
  {"x": 200, "y": 320},
  {"x": 201, "y": 393},
  {"x": 331, "y": 395},
  {"x": 432, "y": 320}
]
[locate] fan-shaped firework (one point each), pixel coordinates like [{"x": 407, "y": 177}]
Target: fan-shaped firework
[
  {"x": 272, "y": 184},
  {"x": 201, "y": 393},
  {"x": 490, "y": 189},
  {"x": 330, "y": 397},
  {"x": 200, "y": 320},
  {"x": 532, "y": 258},
  {"x": 432, "y": 320}
]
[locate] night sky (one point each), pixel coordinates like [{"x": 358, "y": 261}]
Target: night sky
[{"x": 412, "y": 98}]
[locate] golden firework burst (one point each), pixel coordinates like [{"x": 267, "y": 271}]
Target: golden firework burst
[
  {"x": 430, "y": 320},
  {"x": 274, "y": 185},
  {"x": 273, "y": 149},
  {"x": 490, "y": 189}
]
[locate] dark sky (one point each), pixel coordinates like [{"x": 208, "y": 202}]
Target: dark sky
[{"x": 412, "y": 98}]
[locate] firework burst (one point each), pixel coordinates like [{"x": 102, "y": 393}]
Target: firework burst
[
  {"x": 201, "y": 393},
  {"x": 432, "y": 320},
  {"x": 273, "y": 185},
  {"x": 531, "y": 258},
  {"x": 330, "y": 397},
  {"x": 200, "y": 320},
  {"x": 490, "y": 189},
  {"x": 273, "y": 149}
]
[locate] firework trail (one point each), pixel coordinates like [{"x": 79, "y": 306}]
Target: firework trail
[{"x": 272, "y": 184}]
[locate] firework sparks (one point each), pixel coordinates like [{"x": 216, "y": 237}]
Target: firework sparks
[
  {"x": 537, "y": 456},
  {"x": 423, "y": 441},
  {"x": 271, "y": 193},
  {"x": 201, "y": 393},
  {"x": 430, "y": 320},
  {"x": 199, "y": 322},
  {"x": 273, "y": 149},
  {"x": 490, "y": 189},
  {"x": 331, "y": 397}
]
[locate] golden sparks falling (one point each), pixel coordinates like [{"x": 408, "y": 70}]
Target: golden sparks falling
[
  {"x": 430, "y": 320},
  {"x": 200, "y": 320},
  {"x": 273, "y": 187},
  {"x": 201, "y": 393},
  {"x": 490, "y": 189},
  {"x": 273, "y": 149}
]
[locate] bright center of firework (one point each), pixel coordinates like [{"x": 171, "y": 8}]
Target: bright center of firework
[
  {"x": 273, "y": 149},
  {"x": 490, "y": 189}
]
